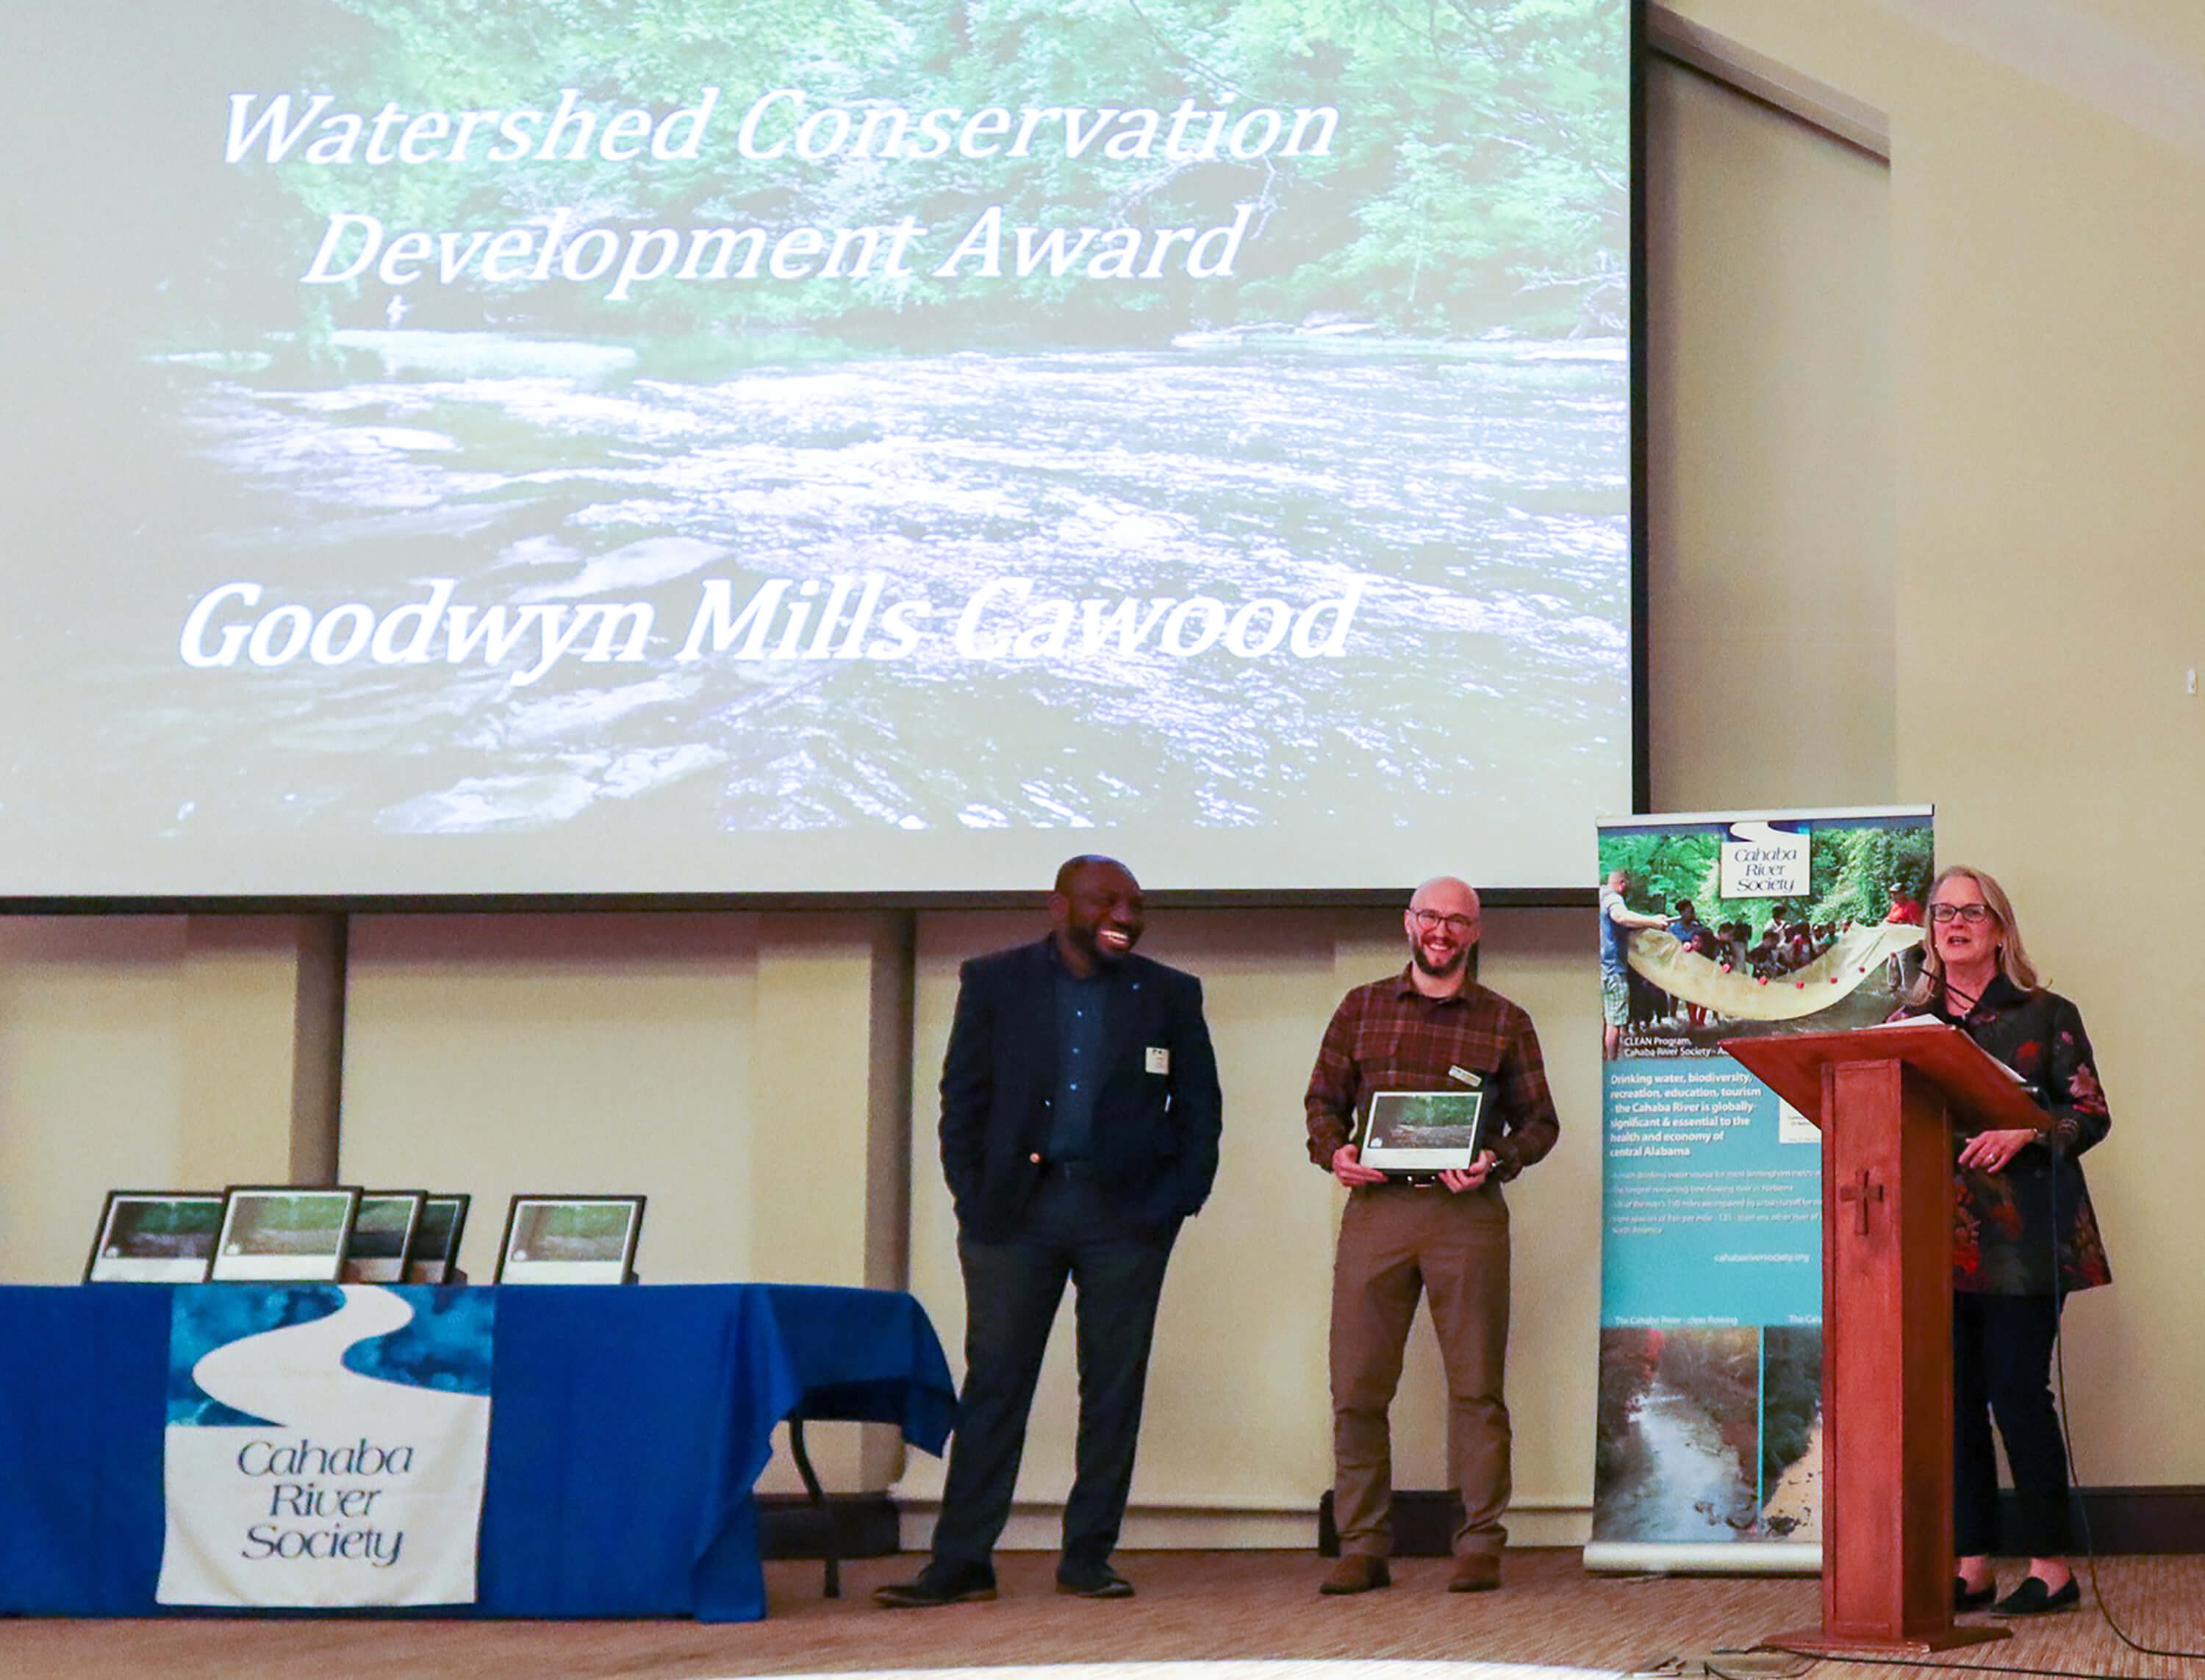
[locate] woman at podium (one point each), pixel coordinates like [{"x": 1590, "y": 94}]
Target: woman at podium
[{"x": 2025, "y": 1239}]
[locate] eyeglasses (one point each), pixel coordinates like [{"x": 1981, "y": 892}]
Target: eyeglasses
[
  {"x": 1969, "y": 913},
  {"x": 1428, "y": 919}
]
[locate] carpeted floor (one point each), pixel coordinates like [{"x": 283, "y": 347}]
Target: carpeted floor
[{"x": 1193, "y": 1607}]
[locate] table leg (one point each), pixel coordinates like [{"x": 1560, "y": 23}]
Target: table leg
[{"x": 832, "y": 1543}]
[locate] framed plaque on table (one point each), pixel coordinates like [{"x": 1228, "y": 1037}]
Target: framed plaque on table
[
  {"x": 570, "y": 1239},
  {"x": 382, "y": 1235},
  {"x": 284, "y": 1233},
  {"x": 155, "y": 1237},
  {"x": 435, "y": 1256}
]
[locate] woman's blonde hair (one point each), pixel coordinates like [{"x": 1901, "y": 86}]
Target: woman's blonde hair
[{"x": 2013, "y": 957}]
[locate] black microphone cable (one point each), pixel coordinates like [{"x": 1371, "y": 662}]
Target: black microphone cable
[{"x": 2067, "y": 1443}]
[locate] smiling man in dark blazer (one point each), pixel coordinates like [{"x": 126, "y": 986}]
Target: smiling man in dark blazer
[{"x": 1079, "y": 1123}]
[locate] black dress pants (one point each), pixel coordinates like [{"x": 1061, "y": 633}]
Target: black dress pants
[
  {"x": 1011, "y": 1291},
  {"x": 2002, "y": 1371}
]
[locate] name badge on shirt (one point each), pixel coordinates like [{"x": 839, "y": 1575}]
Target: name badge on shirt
[
  {"x": 1157, "y": 1058},
  {"x": 1464, "y": 1074}
]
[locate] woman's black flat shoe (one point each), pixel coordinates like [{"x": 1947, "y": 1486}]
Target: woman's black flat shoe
[
  {"x": 2034, "y": 1597},
  {"x": 1966, "y": 1598}
]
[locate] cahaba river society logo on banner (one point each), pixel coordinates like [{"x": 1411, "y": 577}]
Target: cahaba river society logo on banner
[
  {"x": 326, "y": 1446},
  {"x": 1765, "y": 860}
]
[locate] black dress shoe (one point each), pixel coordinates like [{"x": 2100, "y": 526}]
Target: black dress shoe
[
  {"x": 2034, "y": 1597},
  {"x": 1966, "y": 1598},
  {"x": 1092, "y": 1580},
  {"x": 938, "y": 1583}
]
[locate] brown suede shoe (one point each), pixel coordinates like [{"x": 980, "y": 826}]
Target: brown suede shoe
[
  {"x": 1356, "y": 1572},
  {"x": 1477, "y": 1572}
]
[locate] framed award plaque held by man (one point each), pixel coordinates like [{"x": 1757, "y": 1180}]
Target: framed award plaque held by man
[{"x": 1418, "y": 1134}]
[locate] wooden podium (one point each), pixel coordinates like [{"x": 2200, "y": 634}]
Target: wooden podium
[{"x": 1882, "y": 1096}]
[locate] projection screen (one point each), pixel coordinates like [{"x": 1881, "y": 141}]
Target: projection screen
[{"x": 663, "y": 446}]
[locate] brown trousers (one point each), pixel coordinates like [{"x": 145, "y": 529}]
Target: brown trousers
[{"x": 1395, "y": 1243}]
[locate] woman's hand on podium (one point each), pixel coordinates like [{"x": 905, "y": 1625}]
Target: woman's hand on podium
[{"x": 1990, "y": 1151}]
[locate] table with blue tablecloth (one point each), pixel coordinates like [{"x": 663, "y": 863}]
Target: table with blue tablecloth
[{"x": 628, "y": 1428}]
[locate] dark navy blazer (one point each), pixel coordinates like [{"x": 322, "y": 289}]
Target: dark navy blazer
[{"x": 1156, "y": 1115}]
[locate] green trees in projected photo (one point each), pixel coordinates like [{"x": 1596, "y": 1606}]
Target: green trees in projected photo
[
  {"x": 1852, "y": 870},
  {"x": 1477, "y": 178}
]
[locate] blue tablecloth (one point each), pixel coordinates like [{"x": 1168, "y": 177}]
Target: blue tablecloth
[{"x": 627, "y": 1425}]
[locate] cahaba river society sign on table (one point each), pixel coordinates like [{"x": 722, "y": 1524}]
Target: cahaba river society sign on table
[{"x": 326, "y": 1446}]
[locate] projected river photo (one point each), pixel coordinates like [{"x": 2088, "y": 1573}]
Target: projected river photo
[
  {"x": 765, "y": 445},
  {"x": 1399, "y": 579}
]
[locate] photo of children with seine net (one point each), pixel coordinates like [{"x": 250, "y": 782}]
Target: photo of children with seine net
[{"x": 1702, "y": 968}]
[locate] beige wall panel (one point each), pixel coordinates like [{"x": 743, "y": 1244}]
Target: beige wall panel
[
  {"x": 237, "y": 1019},
  {"x": 503, "y": 1054},
  {"x": 90, "y": 1080},
  {"x": 1538, "y": 958},
  {"x": 723, "y": 1066},
  {"x": 1863, "y": 48},
  {"x": 813, "y": 1037},
  {"x": 151, "y": 1053},
  {"x": 1239, "y": 1415},
  {"x": 824, "y": 1159},
  {"x": 1768, "y": 484},
  {"x": 944, "y": 940}
]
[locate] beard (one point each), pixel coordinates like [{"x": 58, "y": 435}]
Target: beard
[{"x": 1440, "y": 971}]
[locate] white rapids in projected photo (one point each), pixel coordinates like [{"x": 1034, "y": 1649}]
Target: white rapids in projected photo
[{"x": 1429, "y": 493}]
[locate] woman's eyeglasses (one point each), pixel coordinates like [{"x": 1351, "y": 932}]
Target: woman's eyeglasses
[{"x": 1969, "y": 913}]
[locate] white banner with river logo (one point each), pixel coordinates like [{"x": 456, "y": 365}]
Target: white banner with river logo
[
  {"x": 1709, "y": 1454},
  {"x": 326, "y": 1446}
]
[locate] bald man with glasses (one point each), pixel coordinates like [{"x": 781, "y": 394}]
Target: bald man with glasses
[{"x": 1430, "y": 1028}]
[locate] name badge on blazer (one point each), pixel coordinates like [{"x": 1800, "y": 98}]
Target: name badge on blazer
[{"x": 1156, "y": 1059}]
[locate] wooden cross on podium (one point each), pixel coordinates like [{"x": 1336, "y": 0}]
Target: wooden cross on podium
[{"x": 1860, "y": 1193}]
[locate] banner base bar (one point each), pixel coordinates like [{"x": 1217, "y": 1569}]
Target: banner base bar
[{"x": 1648, "y": 1557}]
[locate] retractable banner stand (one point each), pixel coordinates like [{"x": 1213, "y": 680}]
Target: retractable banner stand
[
  {"x": 1709, "y": 1441},
  {"x": 325, "y": 1446}
]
